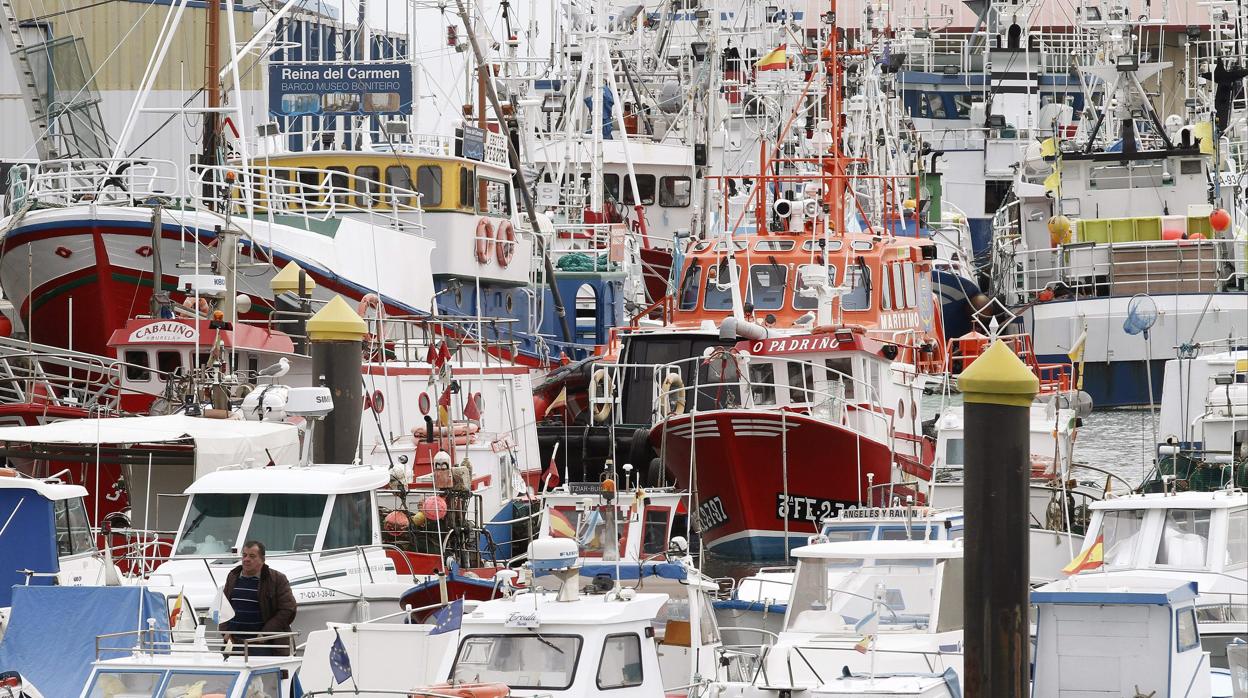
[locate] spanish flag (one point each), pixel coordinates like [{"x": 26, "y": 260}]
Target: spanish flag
[
  {"x": 1089, "y": 559},
  {"x": 1076, "y": 357},
  {"x": 776, "y": 60},
  {"x": 560, "y": 526},
  {"x": 176, "y": 612}
]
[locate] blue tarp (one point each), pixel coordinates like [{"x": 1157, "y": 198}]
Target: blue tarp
[
  {"x": 52, "y": 630},
  {"x": 27, "y": 539}
]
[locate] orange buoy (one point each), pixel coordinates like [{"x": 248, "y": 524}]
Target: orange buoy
[{"x": 1220, "y": 219}]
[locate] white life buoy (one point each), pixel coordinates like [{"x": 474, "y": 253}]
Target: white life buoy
[
  {"x": 485, "y": 240},
  {"x": 505, "y": 245},
  {"x": 600, "y": 395},
  {"x": 673, "y": 383}
]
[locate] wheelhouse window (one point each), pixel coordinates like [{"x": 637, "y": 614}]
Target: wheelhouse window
[
  {"x": 73, "y": 533},
  {"x": 1237, "y": 538},
  {"x": 1121, "y": 530},
  {"x": 199, "y": 683},
  {"x": 109, "y": 684},
  {"x": 675, "y": 192},
  {"x": 911, "y": 286},
  {"x": 519, "y": 661},
  {"x": 955, "y": 452},
  {"x": 841, "y": 370},
  {"x": 767, "y": 284},
  {"x": 654, "y": 530},
  {"x": 763, "y": 383},
  {"x": 495, "y": 197},
  {"x": 350, "y": 521},
  {"x": 935, "y": 102},
  {"x": 886, "y": 290},
  {"x": 429, "y": 184},
  {"x": 590, "y": 528},
  {"x": 168, "y": 361},
  {"x": 398, "y": 182},
  {"x": 138, "y": 367},
  {"x": 467, "y": 188},
  {"x": 690, "y": 286},
  {"x": 719, "y": 290},
  {"x": 645, "y": 187},
  {"x": 309, "y": 184},
  {"x": 212, "y": 523},
  {"x": 367, "y": 185},
  {"x": 611, "y": 188},
  {"x": 899, "y": 286},
  {"x": 801, "y": 380},
  {"x": 809, "y": 302},
  {"x": 1184, "y": 538},
  {"x": 620, "y": 663},
  {"x": 286, "y": 522},
  {"x": 831, "y": 595},
  {"x": 859, "y": 297},
  {"x": 336, "y": 189}
]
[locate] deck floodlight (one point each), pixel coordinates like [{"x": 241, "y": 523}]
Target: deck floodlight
[
  {"x": 269, "y": 128},
  {"x": 553, "y": 104},
  {"x": 1127, "y": 63}
]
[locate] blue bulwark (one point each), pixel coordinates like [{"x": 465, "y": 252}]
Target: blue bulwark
[
  {"x": 1184, "y": 592},
  {"x": 631, "y": 571}
]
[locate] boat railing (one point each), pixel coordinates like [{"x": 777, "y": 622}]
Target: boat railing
[
  {"x": 672, "y": 396},
  {"x": 1097, "y": 269},
  {"x": 153, "y": 642},
  {"x": 312, "y": 194},
  {"x": 587, "y": 238},
  {"x": 46, "y": 375},
  {"x": 376, "y": 141},
  {"x": 100, "y": 181}
]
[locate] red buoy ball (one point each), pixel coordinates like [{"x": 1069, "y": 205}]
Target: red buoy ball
[
  {"x": 1197, "y": 236},
  {"x": 1220, "y": 220},
  {"x": 433, "y": 507},
  {"x": 395, "y": 521},
  {"x": 1171, "y": 234}
]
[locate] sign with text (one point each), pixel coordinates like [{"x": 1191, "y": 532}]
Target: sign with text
[{"x": 340, "y": 88}]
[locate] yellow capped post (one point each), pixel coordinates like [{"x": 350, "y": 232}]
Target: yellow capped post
[
  {"x": 997, "y": 390},
  {"x": 337, "y": 333},
  {"x": 288, "y": 279}
]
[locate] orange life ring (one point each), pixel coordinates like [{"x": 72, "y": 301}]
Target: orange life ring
[
  {"x": 506, "y": 243},
  {"x": 370, "y": 300},
  {"x": 485, "y": 240}
]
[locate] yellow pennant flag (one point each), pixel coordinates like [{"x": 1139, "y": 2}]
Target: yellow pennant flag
[
  {"x": 1089, "y": 559},
  {"x": 775, "y": 60}
]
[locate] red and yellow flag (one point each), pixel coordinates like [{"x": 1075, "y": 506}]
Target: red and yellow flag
[
  {"x": 560, "y": 526},
  {"x": 776, "y": 60},
  {"x": 176, "y": 612},
  {"x": 1089, "y": 559}
]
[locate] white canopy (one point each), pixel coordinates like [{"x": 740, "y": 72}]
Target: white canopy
[{"x": 218, "y": 442}]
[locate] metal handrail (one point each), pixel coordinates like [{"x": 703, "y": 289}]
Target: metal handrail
[
  {"x": 154, "y": 641},
  {"x": 101, "y": 180}
]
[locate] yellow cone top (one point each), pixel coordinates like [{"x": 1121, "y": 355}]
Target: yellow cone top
[
  {"x": 999, "y": 377},
  {"x": 288, "y": 280},
  {"x": 337, "y": 321}
]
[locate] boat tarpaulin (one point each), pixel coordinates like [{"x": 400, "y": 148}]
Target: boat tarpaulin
[
  {"x": 218, "y": 442},
  {"x": 27, "y": 540},
  {"x": 51, "y": 636}
]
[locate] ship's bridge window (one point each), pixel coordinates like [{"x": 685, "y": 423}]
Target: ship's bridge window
[
  {"x": 1237, "y": 539},
  {"x": 611, "y": 187},
  {"x": 954, "y": 451},
  {"x": 212, "y": 523},
  {"x": 398, "y": 177},
  {"x": 719, "y": 287},
  {"x": 773, "y": 245},
  {"x": 139, "y": 368},
  {"x": 350, "y": 522},
  {"x": 813, "y": 245},
  {"x": 886, "y": 289},
  {"x": 767, "y": 284},
  {"x": 841, "y": 370},
  {"x": 899, "y": 286},
  {"x": 934, "y": 105},
  {"x": 73, "y": 533},
  {"x": 168, "y": 361},
  {"x": 674, "y": 192},
  {"x": 1121, "y": 531},
  {"x": 763, "y": 383},
  {"x": 859, "y": 278},
  {"x": 805, "y": 302},
  {"x": 534, "y": 661},
  {"x": 801, "y": 380},
  {"x": 962, "y": 104},
  {"x": 467, "y": 188},
  {"x": 645, "y": 187},
  {"x": 309, "y": 183},
  {"x": 911, "y": 284},
  {"x": 1184, "y": 538},
  {"x": 287, "y": 522},
  {"x": 620, "y": 663},
  {"x": 337, "y": 190},
  {"x": 690, "y": 286},
  {"x": 495, "y": 197},
  {"x": 367, "y": 184},
  {"x": 429, "y": 184}
]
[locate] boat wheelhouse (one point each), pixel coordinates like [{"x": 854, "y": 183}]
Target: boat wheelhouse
[{"x": 1199, "y": 537}]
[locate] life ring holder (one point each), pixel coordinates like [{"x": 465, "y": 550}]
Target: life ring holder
[
  {"x": 600, "y": 395},
  {"x": 672, "y": 383},
  {"x": 484, "y": 240},
  {"x": 505, "y": 243},
  {"x": 371, "y": 300}
]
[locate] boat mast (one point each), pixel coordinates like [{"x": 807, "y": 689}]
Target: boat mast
[{"x": 212, "y": 89}]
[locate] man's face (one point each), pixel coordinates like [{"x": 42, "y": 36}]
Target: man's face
[{"x": 252, "y": 562}]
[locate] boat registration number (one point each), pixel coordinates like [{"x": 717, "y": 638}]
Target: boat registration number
[
  {"x": 711, "y": 514},
  {"x": 797, "y": 508}
]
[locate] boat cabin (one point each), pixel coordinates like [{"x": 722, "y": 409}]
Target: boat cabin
[
  {"x": 1203, "y": 425},
  {"x": 56, "y": 545},
  {"x": 155, "y": 667},
  {"x": 159, "y": 350},
  {"x": 1119, "y": 637},
  {"x": 635, "y": 526}
]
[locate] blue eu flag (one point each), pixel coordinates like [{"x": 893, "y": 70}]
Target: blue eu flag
[
  {"x": 339, "y": 662},
  {"x": 448, "y": 618}
]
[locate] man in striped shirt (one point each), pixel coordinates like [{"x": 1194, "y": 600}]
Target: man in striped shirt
[{"x": 261, "y": 599}]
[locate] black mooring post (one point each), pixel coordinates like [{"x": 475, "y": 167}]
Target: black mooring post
[
  {"x": 336, "y": 333},
  {"x": 998, "y": 389}
]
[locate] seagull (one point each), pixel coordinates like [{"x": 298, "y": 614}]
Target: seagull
[{"x": 277, "y": 370}]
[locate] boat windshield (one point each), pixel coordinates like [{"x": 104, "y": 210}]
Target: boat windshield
[
  {"x": 1121, "y": 529},
  {"x": 287, "y": 522},
  {"x": 831, "y": 596},
  {"x": 520, "y": 661},
  {"x": 212, "y": 523}
]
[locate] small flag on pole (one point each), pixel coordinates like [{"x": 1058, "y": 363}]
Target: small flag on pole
[
  {"x": 776, "y": 60},
  {"x": 864, "y": 644},
  {"x": 448, "y": 618},
  {"x": 472, "y": 408},
  {"x": 177, "y": 610},
  {"x": 550, "y": 478},
  {"x": 1076, "y": 357},
  {"x": 339, "y": 662},
  {"x": 1089, "y": 559}
]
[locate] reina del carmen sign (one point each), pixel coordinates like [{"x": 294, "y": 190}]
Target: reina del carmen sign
[{"x": 165, "y": 331}]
